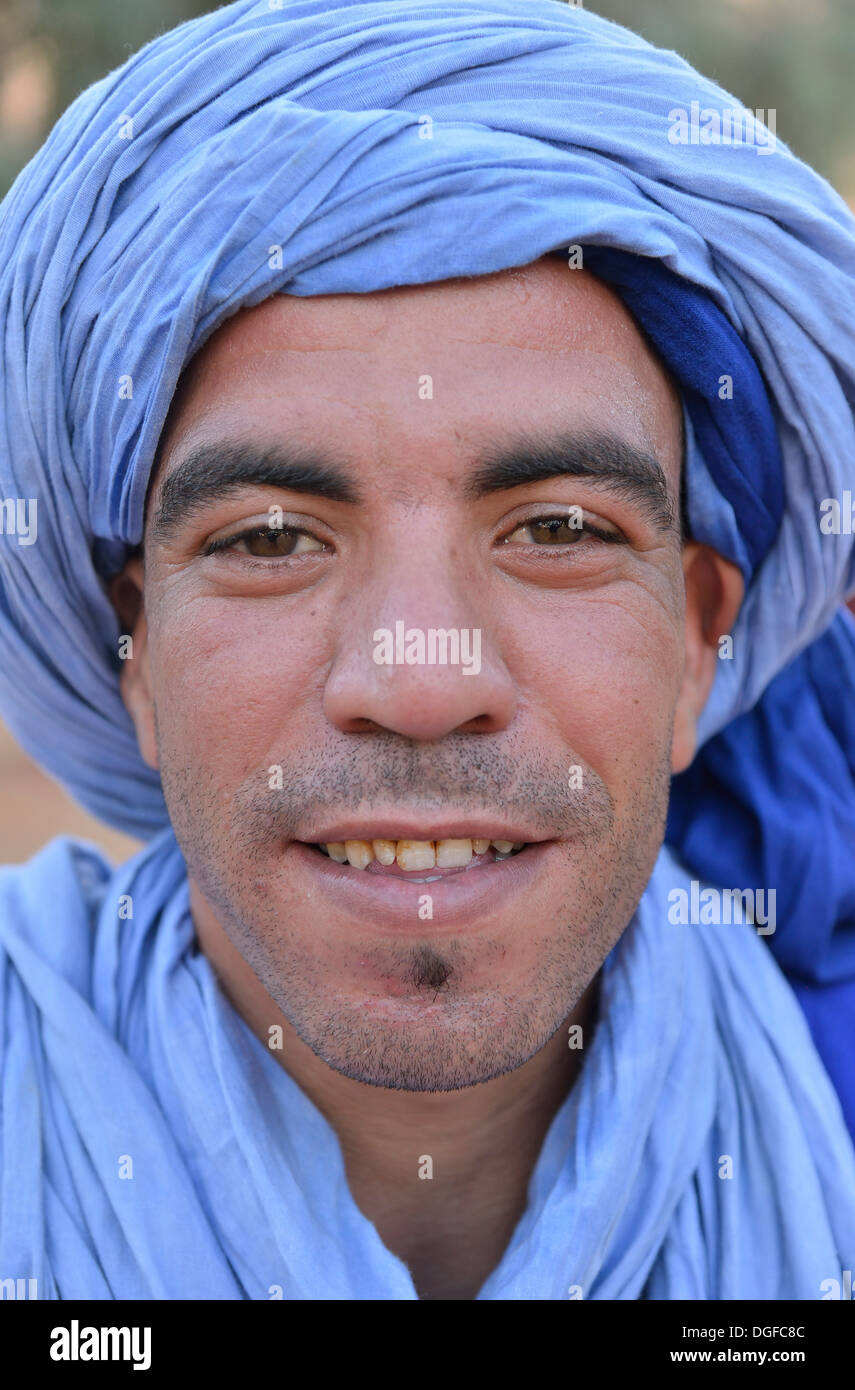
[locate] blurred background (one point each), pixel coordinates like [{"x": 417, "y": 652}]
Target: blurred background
[{"x": 793, "y": 56}]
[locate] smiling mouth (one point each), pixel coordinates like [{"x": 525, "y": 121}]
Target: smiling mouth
[{"x": 407, "y": 858}]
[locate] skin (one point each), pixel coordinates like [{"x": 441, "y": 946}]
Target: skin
[{"x": 594, "y": 655}]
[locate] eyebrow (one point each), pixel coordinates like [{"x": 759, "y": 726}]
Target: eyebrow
[
  {"x": 625, "y": 471},
  {"x": 212, "y": 472}
]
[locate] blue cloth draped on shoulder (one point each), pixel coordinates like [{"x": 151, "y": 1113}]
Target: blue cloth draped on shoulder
[
  {"x": 699, "y": 1155},
  {"x": 333, "y": 146}
]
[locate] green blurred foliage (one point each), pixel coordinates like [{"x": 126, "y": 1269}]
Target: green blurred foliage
[
  {"x": 95, "y": 36},
  {"x": 797, "y": 56},
  {"x": 82, "y": 41}
]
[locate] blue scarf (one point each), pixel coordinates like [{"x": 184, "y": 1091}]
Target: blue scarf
[{"x": 167, "y": 1154}]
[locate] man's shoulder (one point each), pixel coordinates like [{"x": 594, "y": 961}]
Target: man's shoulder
[{"x": 49, "y": 906}]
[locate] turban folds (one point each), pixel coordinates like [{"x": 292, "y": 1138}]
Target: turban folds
[{"x": 330, "y": 146}]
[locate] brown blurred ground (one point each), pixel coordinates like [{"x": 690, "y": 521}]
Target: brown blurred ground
[{"x": 33, "y": 809}]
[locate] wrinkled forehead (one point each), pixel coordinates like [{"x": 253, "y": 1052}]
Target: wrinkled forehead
[{"x": 537, "y": 344}]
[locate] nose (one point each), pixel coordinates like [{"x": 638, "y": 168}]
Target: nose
[{"x": 418, "y": 653}]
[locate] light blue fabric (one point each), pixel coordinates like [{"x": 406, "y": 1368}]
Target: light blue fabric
[
  {"x": 256, "y": 134},
  {"x": 238, "y": 1187}
]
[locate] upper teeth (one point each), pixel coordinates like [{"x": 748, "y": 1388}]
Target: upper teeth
[{"x": 412, "y": 855}]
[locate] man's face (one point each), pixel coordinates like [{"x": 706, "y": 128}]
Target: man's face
[{"x": 423, "y": 445}]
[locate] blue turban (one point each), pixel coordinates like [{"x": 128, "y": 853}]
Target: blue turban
[{"x": 335, "y": 146}]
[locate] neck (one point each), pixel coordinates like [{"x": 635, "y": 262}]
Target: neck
[{"x": 443, "y": 1176}]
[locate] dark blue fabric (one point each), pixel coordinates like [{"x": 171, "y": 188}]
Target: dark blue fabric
[
  {"x": 738, "y": 437},
  {"x": 771, "y": 801}
]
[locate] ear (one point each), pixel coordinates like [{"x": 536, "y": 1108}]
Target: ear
[
  {"x": 714, "y": 590},
  {"x": 126, "y": 593}
]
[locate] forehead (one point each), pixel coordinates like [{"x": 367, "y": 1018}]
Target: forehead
[{"x": 405, "y": 367}]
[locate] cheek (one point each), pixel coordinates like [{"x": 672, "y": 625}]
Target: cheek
[
  {"x": 236, "y": 681},
  {"x": 231, "y": 678},
  {"x": 608, "y": 669}
]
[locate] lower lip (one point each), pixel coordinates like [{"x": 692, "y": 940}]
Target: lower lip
[{"x": 460, "y": 902}]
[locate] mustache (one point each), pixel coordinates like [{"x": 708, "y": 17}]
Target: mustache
[{"x": 358, "y": 775}]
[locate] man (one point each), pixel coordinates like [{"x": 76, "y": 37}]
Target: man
[{"x": 410, "y": 588}]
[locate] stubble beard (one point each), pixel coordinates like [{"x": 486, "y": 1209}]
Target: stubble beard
[{"x": 440, "y": 1031}]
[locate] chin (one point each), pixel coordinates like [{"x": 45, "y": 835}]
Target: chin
[{"x": 425, "y": 1041}]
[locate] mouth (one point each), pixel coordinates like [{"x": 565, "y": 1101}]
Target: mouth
[
  {"x": 418, "y": 861},
  {"x": 473, "y": 883}
]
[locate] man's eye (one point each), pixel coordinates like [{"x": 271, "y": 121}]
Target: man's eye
[
  {"x": 268, "y": 543},
  {"x": 558, "y": 530}
]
